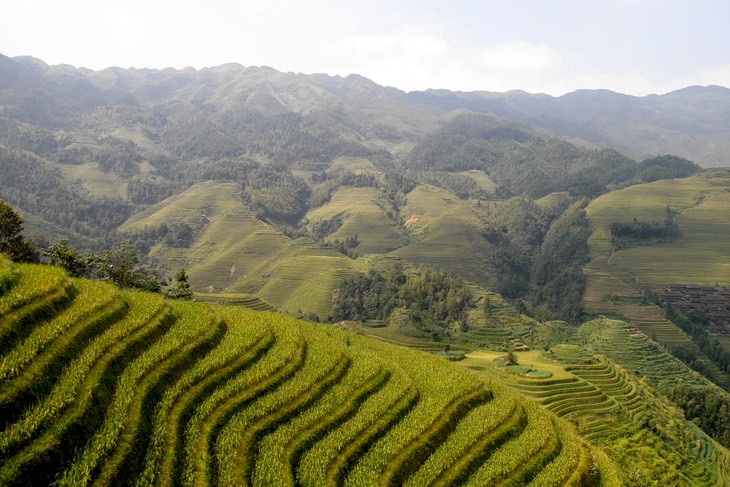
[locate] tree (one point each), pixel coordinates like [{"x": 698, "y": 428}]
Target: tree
[
  {"x": 12, "y": 242},
  {"x": 63, "y": 255},
  {"x": 121, "y": 266},
  {"x": 181, "y": 289}
]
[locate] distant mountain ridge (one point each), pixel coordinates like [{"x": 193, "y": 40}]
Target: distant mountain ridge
[{"x": 693, "y": 122}]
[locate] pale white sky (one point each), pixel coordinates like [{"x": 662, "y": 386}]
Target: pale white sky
[{"x": 541, "y": 46}]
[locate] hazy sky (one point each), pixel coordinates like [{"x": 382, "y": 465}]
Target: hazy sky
[{"x": 549, "y": 46}]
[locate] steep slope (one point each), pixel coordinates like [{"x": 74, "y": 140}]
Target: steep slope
[
  {"x": 613, "y": 408},
  {"x": 699, "y": 255},
  {"x": 179, "y": 393},
  {"x": 226, "y": 249},
  {"x": 691, "y": 123},
  {"x": 361, "y": 216},
  {"x": 225, "y": 243},
  {"x": 444, "y": 231}
]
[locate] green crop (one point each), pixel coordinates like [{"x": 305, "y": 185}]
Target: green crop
[{"x": 109, "y": 387}]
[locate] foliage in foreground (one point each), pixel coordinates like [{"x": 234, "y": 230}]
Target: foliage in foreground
[{"x": 153, "y": 392}]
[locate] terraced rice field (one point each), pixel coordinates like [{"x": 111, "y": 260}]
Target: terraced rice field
[
  {"x": 106, "y": 387},
  {"x": 445, "y": 232},
  {"x": 245, "y": 300},
  {"x": 303, "y": 278},
  {"x": 614, "y": 410},
  {"x": 362, "y": 216},
  {"x": 231, "y": 246},
  {"x": 699, "y": 256},
  {"x": 502, "y": 327},
  {"x": 482, "y": 179},
  {"x": 636, "y": 352}
]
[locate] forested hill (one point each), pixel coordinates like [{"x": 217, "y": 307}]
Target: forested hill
[
  {"x": 253, "y": 169},
  {"x": 693, "y": 122},
  {"x": 337, "y": 199}
]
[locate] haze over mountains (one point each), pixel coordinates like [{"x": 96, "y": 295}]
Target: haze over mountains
[
  {"x": 527, "y": 236},
  {"x": 693, "y": 122},
  {"x": 225, "y": 168}
]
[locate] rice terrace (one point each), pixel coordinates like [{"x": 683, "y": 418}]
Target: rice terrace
[
  {"x": 232, "y": 275},
  {"x": 110, "y": 387}
]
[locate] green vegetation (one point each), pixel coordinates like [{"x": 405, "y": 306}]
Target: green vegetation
[
  {"x": 276, "y": 194},
  {"x": 12, "y": 242},
  {"x": 181, "y": 287},
  {"x": 430, "y": 300},
  {"x": 615, "y": 278},
  {"x": 61, "y": 254},
  {"x": 522, "y": 161},
  {"x": 557, "y": 279},
  {"x": 66, "y": 208},
  {"x": 446, "y": 232},
  {"x": 125, "y": 388},
  {"x": 8, "y": 274},
  {"x": 615, "y": 410},
  {"x": 694, "y": 323},
  {"x": 281, "y": 191},
  {"x": 643, "y": 357},
  {"x": 638, "y": 232},
  {"x": 356, "y": 212}
]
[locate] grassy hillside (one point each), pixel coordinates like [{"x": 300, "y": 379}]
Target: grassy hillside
[
  {"x": 229, "y": 243},
  {"x": 362, "y": 216},
  {"x": 233, "y": 252},
  {"x": 444, "y": 231},
  {"x": 700, "y": 255},
  {"x": 96, "y": 181},
  {"x": 116, "y": 388},
  {"x": 484, "y": 182},
  {"x": 301, "y": 281}
]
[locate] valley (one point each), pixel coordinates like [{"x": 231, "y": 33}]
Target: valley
[{"x": 388, "y": 288}]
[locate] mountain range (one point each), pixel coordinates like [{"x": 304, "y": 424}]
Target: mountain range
[
  {"x": 527, "y": 236},
  {"x": 691, "y": 122}
]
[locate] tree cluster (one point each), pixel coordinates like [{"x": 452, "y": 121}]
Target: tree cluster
[
  {"x": 694, "y": 323},
  {"x": 709, "y": 409},
  {"x": 120, "y": 265},
  {"x": 32, "y": 184},
  {"x": 557, "y": 281},
  {"x": 276, "y": 194},
  {"x": 147, "y": 190},
  {"x": 345, "y": 247},
  {"x": 460, "y": 184},
  {"x": 180, "y": 289},
  {"x": 431, "y": 299},
  {"x": 625, "y": 234},
  {"x": 516, "y": 230},
  {"x": 321, "y": 228},
  {"x": 113, "y": 154},
  {"x": 538, "y": 257}
]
